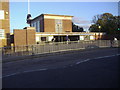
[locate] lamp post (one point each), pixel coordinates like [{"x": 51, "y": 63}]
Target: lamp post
[
  {"x": 99, "y": 31},
  {"x": 58, "y": 33},
  {"x": 29, "y": 17}
]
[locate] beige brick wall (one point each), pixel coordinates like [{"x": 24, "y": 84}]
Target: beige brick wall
[
  {"x": 31, "y": 37},
  {"x": 5, "y": 23},
  {"x": 67, "y": 25},
  {"x": 24, "y": 37},
  {"x": 19, "y": 37},
  {"x": 49, "y": 25}
]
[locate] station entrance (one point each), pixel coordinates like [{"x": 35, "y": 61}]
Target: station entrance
[{"x": 66, "y": 38}]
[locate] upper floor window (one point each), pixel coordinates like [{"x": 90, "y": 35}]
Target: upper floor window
[
  {"x": 38, "y": 26},
  {"x": 2, "y": 14},
  {"x": 58, "y": 25},
  {"x": 2, "y": 35}
]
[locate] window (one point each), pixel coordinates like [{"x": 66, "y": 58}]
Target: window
[
  {"x": 32, "y": 25},
  {"x": 2, "y": 14},
  {"x": 35, "y": 26},
  {"x": 81, "y": 37},
  {"x": 38, "y": 26},
  {"x": 91, "y": 37},
  {"x": 58, "y": 25},
  {"x": 37, "y": 39},
  {"x": 2, "y": 34},
  {"x": 43, "y": 38}
]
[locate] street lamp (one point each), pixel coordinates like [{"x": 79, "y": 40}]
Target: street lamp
[
  {"x": 99, "y": 31},
  {"x": 58, "y": 33}
]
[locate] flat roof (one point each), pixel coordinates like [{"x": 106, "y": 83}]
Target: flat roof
[
  {"x": 51, "y": 15},
  {"x": 58, "y": 15}
]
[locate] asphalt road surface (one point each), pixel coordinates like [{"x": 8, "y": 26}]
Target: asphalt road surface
[{"x": 72, "y": 70}]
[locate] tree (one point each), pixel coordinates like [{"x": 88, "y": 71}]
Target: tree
[
  {"x": 108, "y": 22},
  {"x": 76, "y": 28}
]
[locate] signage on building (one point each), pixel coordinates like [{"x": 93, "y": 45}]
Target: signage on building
[{"x": 2, "y": 35}]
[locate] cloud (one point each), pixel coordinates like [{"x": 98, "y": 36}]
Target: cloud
[
  {"x": 81, "y": 22},
  {"x": 78, "y": 20}
]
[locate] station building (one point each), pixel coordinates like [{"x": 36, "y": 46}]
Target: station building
[
  {"x": 48, "y": 28},
  {"x": 59, "y": 27},
  {"x": 43, "y": 28}
]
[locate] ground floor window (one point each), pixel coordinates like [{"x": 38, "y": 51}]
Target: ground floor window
[
  {"x": 2, "y": 14},
  {"x": 81, "y": 37},
  {"x": 91, "y": 37},
  {"x": 43, "y": 38},
  {"x": 66, "y": 38}
]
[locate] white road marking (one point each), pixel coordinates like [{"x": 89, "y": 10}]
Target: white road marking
[
  {"x": 24, "y": 72},
  {"x": 107, "y": 56},
  {"x": 10, "y": 75},
  {"x": 35, "y": 70},
  {"x": 64, "y": 66},
  {"x": 83, "y": 61},
  {"x": 97, "y": 58}
]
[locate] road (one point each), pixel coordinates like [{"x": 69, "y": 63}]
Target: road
[{"x": 87, "y": 69}]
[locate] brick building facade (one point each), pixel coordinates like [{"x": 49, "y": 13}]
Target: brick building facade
[
  {"x": 49, "y": 26},
  {"x": 4, "y": 24},
  {"x": 24, "y": 36},
  {"x": 52, "y": 23}
]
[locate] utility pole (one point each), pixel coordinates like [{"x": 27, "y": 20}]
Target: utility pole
[
  {"x": 28, "y": 6},
  {"x": 29, "y": 17}
]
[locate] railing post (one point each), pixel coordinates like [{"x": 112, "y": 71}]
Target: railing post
[
  {"x": 1, "y": 55},
  {"x": 33, "y": 50}
]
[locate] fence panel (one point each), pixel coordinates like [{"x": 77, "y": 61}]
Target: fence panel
[{"x": 54, "y": 47}]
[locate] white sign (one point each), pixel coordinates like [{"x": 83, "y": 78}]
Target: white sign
[
  {"x": 81, "y": 37},
  {"x": 2, "y": 35},
  {"x": 2, "y": 14},
  {"x": 50, "y": 38},
  {"x": 92, "y": 38},
  {"x": 37, "y": 39}
]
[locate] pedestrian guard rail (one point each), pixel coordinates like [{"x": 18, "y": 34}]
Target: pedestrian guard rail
[{"x": 51, "y": 47}]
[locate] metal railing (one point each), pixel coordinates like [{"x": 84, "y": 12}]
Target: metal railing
[{"x": 55, "y": 47}]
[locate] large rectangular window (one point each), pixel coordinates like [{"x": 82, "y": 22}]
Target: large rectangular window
[
  {"x": 35, "y": 26},
  {"x": 2, "y": 14},
  {"x": 58, "y": 25},
  {"x": 38, "y": 26}
]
